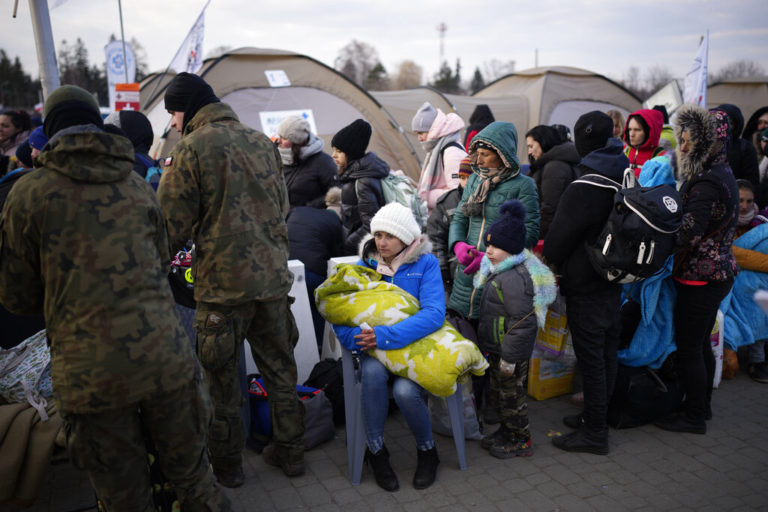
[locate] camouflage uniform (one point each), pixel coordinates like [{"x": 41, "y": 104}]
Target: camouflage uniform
[
  {"x": 510, "y": 391},
  {"x": 224, "y": 188},
  {"x": 83, "y": 240}
]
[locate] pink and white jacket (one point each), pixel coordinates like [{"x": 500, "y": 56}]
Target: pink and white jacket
[{"x": 441, "y": 165}]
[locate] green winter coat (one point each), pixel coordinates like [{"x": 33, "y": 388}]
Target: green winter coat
[
  {"x": 83, "y": 241},
  {"x": 224, "y": 189},
  {"x": 503, "y": 138}
]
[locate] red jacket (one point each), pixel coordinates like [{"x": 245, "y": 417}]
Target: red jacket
[{"x": 653, "y": 120}]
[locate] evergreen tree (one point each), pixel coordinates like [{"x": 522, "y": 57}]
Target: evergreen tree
[
  {"x": 446, "y": 81},
  {"x": 17, "y": 89},
  {"x": 74, "y": 69},
  {"x": 477, "y": 81},
  {"x": 377, "y": 79}
]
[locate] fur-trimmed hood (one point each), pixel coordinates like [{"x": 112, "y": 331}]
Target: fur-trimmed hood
[
  {"x": 709, "y": 134},
  {"x": 422, "y": 245}
]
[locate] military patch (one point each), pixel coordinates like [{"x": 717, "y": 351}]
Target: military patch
[{"x": 213, "y": 320}]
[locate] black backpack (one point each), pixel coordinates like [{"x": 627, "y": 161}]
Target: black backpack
[
  {"x": 639, "y": 234},
  {"x": 327, "y": 375}
]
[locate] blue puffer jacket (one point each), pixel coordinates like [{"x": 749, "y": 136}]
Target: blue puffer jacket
[
  {"x": 503, "y": 138},
  {"x": 420, "y": 276}
]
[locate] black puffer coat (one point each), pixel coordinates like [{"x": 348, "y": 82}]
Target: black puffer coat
[
  {"x": 580, "y": 218},
  {"x": 553, "y": 172},
  {"x": 507, "y": 299},
  {"x": 311, "y": 177},
  {"x": 361, "y": 197}
]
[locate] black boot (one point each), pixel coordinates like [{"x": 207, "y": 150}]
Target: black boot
[
  {"x": 583, "y": 440},
  {"x": 382, "y": 471},
  {"x": 681, "y": 422},
  {"x": 574, "y": 420},
  {"x": 426, "y": 468}
]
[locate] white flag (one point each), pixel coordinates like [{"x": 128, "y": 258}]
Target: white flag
[
  {"x": 116, "y": 67},
  {"x": 695, "y": 90},
  {"x": 189, "y": 56}
]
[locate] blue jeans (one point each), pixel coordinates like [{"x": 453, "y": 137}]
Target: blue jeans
[{"x": 409, "y": 397}]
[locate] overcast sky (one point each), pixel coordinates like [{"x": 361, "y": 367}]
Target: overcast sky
[{"x": 603, "y": 36}]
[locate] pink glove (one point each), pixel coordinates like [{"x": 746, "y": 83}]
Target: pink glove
[
  {"x": 475, "y": 265},
  {"x": 463, "y": 252}
]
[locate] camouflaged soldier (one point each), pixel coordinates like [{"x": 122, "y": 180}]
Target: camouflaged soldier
[
  {"x": 223, "y": 187},
  {"x": 83, "y": 240}
]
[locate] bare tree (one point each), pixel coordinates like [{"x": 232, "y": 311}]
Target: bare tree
[
  {"x": 632, "y": 82},
  {"x": 658, "y": 77},
  {"x": 356, "y": 60},
  {"x": 739, "y": 69},
  {"x": 494, "y": 68},
  {"x": 408, "y": 75}
]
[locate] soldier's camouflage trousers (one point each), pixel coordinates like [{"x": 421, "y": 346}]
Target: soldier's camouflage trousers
[
  {"x": 510, "y": 392},
  {"x": 271, "y": 331},
  {"x": 111, "y": 446}
]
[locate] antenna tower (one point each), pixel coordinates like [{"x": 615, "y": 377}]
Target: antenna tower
[{"x": 442, "y": 28}]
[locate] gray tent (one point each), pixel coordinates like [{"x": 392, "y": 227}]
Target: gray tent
[
  {"x": 749, "y": 94},
  {"x": 556, "y": 95},
  {"x": 263, "y": 85},
  {"x": 404, "y": 104},
  {"x": 560, "y": 94}
]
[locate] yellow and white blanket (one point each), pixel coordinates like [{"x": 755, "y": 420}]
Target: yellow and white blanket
[{"x": 354, "y": 294}]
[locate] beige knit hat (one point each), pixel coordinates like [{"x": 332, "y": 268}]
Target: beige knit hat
[
  {"x": 295, "y": 129},
  {"x": 397, "y": 220}
]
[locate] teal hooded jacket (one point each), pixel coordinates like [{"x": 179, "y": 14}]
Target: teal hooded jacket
[{"x": 502, "y": 137}]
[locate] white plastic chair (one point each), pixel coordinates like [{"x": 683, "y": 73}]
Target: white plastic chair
[{"x": 354, "y": 418}]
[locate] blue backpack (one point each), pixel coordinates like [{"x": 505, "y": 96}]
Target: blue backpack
[{"x": 154, "y": 171}]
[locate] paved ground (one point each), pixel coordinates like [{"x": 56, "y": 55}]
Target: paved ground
[{"x": 647, "y": 470}]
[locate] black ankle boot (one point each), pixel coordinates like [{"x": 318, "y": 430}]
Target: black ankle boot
[
  {"x": 426, "y": 468},
  {"x": 382, "y": 471},
  {"x": 583, "y": 440}
]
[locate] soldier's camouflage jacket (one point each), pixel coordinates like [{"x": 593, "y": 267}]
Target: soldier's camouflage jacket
[
  {"x": 224, "y": 189},
  {"x": 83, "y": 241}
]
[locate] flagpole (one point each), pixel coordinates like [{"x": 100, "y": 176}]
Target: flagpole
[
  {"x": 46, "y": 52},
  {"x": 122, "y": 36},
  {"x": 157, "y": 84}
]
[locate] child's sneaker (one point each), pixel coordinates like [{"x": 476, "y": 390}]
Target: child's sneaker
[
  {"x": 491, "y": 439},
  {"x": 524, "y": 447}
]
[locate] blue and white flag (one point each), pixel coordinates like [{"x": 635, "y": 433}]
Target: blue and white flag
[
  {"x": 116, "y": 67},
  {"x": 695, "y": 89}
]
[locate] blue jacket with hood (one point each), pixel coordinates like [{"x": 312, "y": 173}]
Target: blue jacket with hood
[
  {"x": 580, "y": 217},
  {"x": 420, "y": 276}
]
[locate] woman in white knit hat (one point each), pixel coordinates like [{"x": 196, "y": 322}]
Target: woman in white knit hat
[{"x": 402, "y": 255}]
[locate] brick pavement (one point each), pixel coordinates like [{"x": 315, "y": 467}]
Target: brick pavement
[{"x": 648, "y": 469}]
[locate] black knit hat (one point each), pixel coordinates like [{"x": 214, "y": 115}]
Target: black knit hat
[
  {"x": 592, "y": 131},
  {"x": 188, "y": 93},
  {"x": 508, "y": 232},
  {"x": 353, "y": 139},
  {"x": 70, "y": 105}
]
